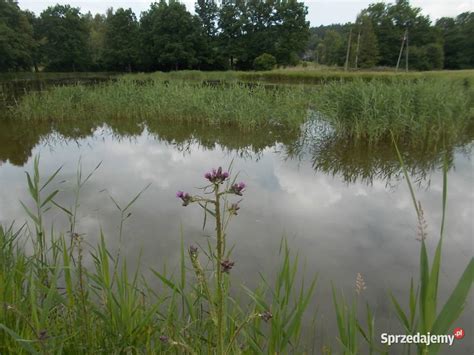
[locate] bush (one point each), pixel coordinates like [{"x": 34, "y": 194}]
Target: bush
[
  {"x": 429, "y": 57},
  {"x": 264, "y": 62}
]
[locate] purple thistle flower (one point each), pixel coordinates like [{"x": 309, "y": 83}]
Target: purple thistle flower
[
  {"x": 237, "y": 188},
  {"x": 185, "y": 197},
  {"x": 217, "y": 176}
]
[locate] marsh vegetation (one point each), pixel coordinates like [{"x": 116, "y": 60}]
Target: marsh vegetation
[{"x": 428, "y": 109}]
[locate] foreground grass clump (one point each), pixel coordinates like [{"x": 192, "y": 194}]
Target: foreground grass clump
[
  {"x": 423, "y": 110},
  {"x": 52, "y": 301},
  {"x": 233, "y": 104},
  {"x": 424, "y": 318}
]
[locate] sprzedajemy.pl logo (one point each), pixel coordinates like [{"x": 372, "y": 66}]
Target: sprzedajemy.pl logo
[{"x": 419, "y": 338}]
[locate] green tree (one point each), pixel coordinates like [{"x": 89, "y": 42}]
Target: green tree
[
  {"x": 390, "y": 22},
  {"x": 368, "y": 52},
  {"x": 276, "y": 27},
  {"x": 65, "y": 36},
  {"x": 429, "y": 57},
  {"x": 209, "y": 56},
  {"x": 207, "y": 12},
  {"x": 292, "y": 31},
  {"x": 333, "y": 48},
  {"x": 171, "y": 37},
  {"x": 16, "y": 38},
  {"x": 388, "y": 38},
  {"x": 458, "y": 40},
  {"x": 35, "y": 50},
  {"x": 120, "y": 40},
  {"x": 232, "y": 19},
  {"x": 96, "y": 26}
]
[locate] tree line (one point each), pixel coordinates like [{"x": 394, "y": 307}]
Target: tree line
[
  {"x": 228, "y": 34},
  {"x": 383, "y": 34}
]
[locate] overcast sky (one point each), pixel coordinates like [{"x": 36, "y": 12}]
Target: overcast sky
[{"x": 320, "y": 12}]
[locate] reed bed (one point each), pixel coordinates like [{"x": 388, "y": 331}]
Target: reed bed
[
  {"x": 423, "y": 110},
  {"x": 231, "y": 105},
  {"x": 292, "y": 75},
  {"x": 300, "y": 75},
  {"x": 426, "y": 110}
]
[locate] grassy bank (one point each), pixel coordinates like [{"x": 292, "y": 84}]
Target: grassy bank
[{"x": 52, "y": 302}]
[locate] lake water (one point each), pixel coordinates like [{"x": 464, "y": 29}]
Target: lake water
[{"x": 344, "y": 207}]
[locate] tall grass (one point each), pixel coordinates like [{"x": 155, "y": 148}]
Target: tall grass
[
  {"x": 423, "y": 315},
  {"x": 426, "y": 318},
  {"x": 233, "y": 105},
  {"x": 424, "y": 110},
  {"x": 299, "y": 75}
]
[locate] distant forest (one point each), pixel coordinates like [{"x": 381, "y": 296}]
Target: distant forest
[{"x": 228, "y": 34}]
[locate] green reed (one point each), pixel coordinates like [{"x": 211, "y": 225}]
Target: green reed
[
  {"x": 426, "y": 318},
  {"x": 174, "y": 101},
  {"x": 423, "y": 110},
  {"x": 423, "y": 315},
  {"x": 300, "y": 75}
]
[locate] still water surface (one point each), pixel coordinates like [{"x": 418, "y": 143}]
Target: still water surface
[{"x": 345, "y": 208}]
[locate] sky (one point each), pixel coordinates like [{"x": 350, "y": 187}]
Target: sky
[{"x": 320, "y": 12}]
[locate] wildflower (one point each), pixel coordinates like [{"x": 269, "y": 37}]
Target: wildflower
[
  {"x": 164, "y": 339},
  {"x": 237, "y": 188},
  {"x": 360, "y": 283},
  {"x": 217, "y": 176},
  {"x": 185, "y": 197},
  {"x": 227, "y": 265},
  {"x": 266, "y": 316},
  {"x": 234, "y": 208}
]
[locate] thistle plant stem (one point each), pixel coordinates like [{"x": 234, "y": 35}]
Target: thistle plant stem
[{"x": 219, "y": 291}]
